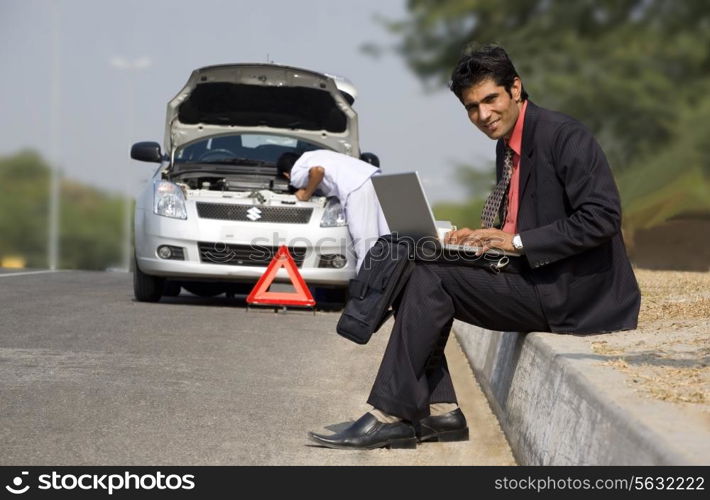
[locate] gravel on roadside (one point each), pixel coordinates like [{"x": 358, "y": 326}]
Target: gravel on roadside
[{"x": 668, "y": 357}]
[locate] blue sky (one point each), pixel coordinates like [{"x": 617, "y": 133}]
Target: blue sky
[{"x": 409, "y": 129}]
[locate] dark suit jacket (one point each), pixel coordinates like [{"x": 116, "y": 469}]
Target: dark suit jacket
[{"x": 569, "y": 220}]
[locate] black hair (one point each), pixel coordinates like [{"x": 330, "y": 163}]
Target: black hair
[
  {"x": 489, "y": 61},
  {"x": 285, "y": 162}
]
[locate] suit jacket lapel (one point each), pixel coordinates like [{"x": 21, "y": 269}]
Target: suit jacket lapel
[{"x": 528, "y": 146}]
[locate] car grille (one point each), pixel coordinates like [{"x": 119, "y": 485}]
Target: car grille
[
  {"x": 244, "y": 255},
  {"x": 254, "y": 213}
]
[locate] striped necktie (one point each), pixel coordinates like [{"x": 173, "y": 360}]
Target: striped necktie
[{"x": 498, "y": 195}]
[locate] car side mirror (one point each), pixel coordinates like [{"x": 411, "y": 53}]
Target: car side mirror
[
  {"x": 370, "y": 158},
  {"x": 146, "y": 151}
]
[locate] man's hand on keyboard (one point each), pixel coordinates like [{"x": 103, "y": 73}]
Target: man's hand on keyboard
[{"x": 486, "y": 239}]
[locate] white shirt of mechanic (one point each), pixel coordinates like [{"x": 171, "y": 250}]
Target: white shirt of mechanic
[{"x": 349, "y": 179}]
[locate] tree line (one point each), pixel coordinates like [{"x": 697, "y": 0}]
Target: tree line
[
  {"x": 636, "y": 72},
  {"x": 90, "y": 221}
]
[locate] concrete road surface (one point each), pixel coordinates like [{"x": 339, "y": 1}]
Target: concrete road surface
[{"x": 90, "y": 377}]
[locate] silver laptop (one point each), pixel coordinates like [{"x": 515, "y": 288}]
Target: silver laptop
[{"x": 407, "y": 210}]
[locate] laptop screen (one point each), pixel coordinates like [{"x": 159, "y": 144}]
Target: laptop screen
[{"x": 404, "y": 204}]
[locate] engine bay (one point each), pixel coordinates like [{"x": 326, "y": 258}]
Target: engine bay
[
  {"x": 232, "y": 182},
  {"x": 230, "y": 178}
]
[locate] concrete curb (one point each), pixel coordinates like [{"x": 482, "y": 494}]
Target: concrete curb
[{"x": 558, "y": 405}]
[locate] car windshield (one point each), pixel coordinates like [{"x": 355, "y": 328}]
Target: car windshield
[{"x": 242, "y": 148}]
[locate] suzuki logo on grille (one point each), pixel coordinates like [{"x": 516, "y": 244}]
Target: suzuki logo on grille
[{"x": 253, "y": 214}]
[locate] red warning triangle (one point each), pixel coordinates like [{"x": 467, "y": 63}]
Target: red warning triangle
[{"x": 260, "y": 294}]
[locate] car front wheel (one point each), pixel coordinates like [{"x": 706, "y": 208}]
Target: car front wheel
[{"x": 146, "y": 288}]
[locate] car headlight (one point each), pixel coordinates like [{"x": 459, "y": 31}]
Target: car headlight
[
  {"x": 333, "y": 215},
  {"x": 168, "y": 200}
]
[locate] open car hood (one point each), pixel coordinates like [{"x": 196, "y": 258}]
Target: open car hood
[{"x": 263, "y": 98}]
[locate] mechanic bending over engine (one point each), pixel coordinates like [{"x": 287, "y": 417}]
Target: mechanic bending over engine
[{"x": 347, "y": 178}]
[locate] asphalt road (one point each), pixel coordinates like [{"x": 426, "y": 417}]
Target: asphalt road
[{"x": 90, "y": 377}]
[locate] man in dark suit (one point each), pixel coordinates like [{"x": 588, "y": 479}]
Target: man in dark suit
[{"x": 557, "y": 205}]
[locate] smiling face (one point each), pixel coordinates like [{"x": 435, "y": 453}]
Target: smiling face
[{"x": 491, "y": 108}]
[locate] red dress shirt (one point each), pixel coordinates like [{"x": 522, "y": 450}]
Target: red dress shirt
[{"x": 515, "y": 143}]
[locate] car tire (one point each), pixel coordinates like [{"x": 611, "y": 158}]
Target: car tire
[{"x": 146, "y": 288}]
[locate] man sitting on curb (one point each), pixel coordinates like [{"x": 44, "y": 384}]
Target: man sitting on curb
[
  {"x": 556, "y": 203},
  {"x": 347, "y": 178}
]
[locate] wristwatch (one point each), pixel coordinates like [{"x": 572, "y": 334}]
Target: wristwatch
[{"x": 517, "y": 243}]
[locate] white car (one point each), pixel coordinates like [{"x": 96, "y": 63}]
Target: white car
[{"x": 215, "y": 211}]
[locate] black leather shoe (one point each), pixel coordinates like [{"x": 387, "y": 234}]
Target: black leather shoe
[
  {"x": 368, "y": 433},
  {"x": 448, "y": 427}
]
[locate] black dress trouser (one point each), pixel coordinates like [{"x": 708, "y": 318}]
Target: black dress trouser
[{"x": 413, "y": 372}]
